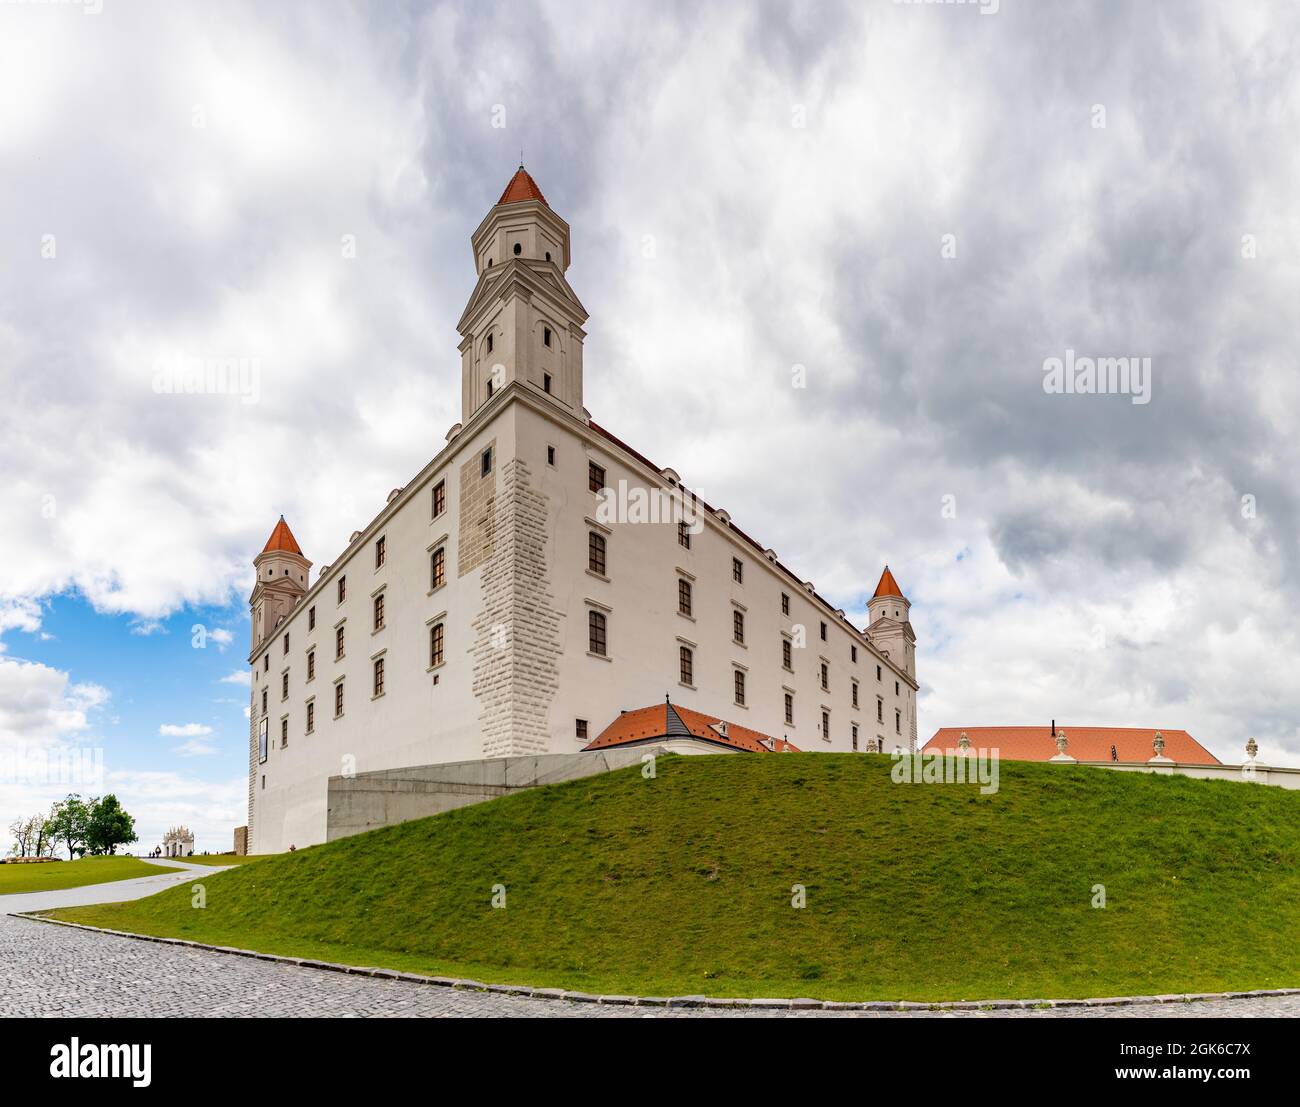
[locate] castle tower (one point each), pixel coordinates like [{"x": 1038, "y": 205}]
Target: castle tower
[
  {"x": 890, "y": 626},
  {"x": 523, "y": 323},
  {"x": 282, "y": 580}
]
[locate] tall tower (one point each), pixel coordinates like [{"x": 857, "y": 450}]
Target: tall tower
[
  {"x": 523, "y": 323},
  {"x": 282, "y": 579},
  {"x": 890, "y": 626}
]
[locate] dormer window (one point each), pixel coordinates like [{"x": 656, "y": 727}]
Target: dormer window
[{"x": 546, "y": 336}]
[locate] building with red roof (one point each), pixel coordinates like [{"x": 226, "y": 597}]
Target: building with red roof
[{"x": 1082, "y": 743}]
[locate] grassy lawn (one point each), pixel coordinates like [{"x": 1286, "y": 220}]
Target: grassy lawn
[
  {"x": 49, "y": 876},
  {"x": 682, "y": 884},
  {"x": 222, "y": 859}
]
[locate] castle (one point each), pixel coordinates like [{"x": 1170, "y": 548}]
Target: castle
[{"x": 511, "y": 600}]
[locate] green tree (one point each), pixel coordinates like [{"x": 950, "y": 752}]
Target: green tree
[
  {"x": 69, "y": 822},
  {"x": 108, "y": 825}
]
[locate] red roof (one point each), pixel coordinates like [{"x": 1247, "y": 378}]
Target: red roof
[
  {"x": 282, "y": 539},
  {"x": 888, "y": 586},
  {"x": 664, "y": 720},
  {"x": 521, "y": 187},
  {"x": 1084, "y": 743}
]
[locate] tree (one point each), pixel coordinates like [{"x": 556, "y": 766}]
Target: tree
[
  {"x": 108, "y": 825},
  {"x": 69, "y": 821}
]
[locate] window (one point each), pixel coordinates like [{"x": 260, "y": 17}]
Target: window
[
  {"x": 284, "y": 685},
  {"x": 489, "y": 348},
  {"x": 435, "y": 645},
  {"x": 687, "y": 659},
  {"x": 485, "y": 462},
  {"x": 438, "y": 568},
  {"x": 877, "y": 672},
  {"x": 595, "y": 477},
  {"x": 311, "y": 664},
  {"x": 826, "y": 725},
  {"x": 787, "y": 654},
  {"x": 855, "y": 737},
  {"x": 853, "y": 654},
  {"x": 855, "y": 693},
  {"x": 898, "y": 722},
  {"x": 826, "y": 677},
  {"x": 311, "y": 716},
  {"x": 880, "y": 710},
  {"x": 823, "y": 632},
  {"x": 263, "y": 701},
  {"x": 381, "y": 551},
  {"x": 596, "y": 630},
  {"x": 518, "y": 249},
  {"x": 740, "y": 688},
  {"x": 338, "y": 641},
  {"x": 489, "y": 388},
  {"x": 580, "y": 729},
  {"x": 785, "y": 604},
  {"x": 439, "y": 498},
  {"x": 343, "y": 588},
  {"x": 546, "y": 382},
  {"x": 266, "y": 662},
  {"x": 284, "y": 733},
  {"x": 737, "y": 570},
  {"x": 596, "y": 553},
  {"x": 311, "y": 617},
  {"x": 789, "y": 709},
  {"x": 683, "y": 596},
  {"x": 550, "y": 455},
  {"x": 738, "y": 626},
  {"x": 683, "y": 535},
  {"x": 338, "y": 699},
  {"x": 379, "y": 611},
  {"x": 379, "y": 676},
  {"x": 896, "y": 688},
  {"x": 546, "y": 334}
]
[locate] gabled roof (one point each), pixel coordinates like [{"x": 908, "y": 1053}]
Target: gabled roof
[
  {"x": 668, "y": 720},
  {"x": 282, "y": 539},
  {"x": 888, "y": 586},
  {"x": 1083, "y": 743},
  {"x": 521, "y": 187}
]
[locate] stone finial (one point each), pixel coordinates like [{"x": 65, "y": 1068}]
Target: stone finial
[
  {"x": 1061, "y": 742},
  {"x": 1252, "y": 748},
  {"x": 1159, "y": 744},
  {"x": 963, "y": 743}
]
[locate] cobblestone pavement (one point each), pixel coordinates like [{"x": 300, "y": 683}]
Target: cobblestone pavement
[
  {"x": 60, "y": 971},
  {"x": 115, "y": 891}
]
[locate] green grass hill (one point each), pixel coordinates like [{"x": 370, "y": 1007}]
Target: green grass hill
[
  {"x": 682, "y": 884},
  {"x": 48, "y": 876}
]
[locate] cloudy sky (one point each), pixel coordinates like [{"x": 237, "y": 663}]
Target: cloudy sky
[{"x": 919, "y": 204}]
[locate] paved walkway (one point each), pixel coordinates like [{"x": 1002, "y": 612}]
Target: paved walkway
[
  {"x": 61, "y": 971},
  {"x": 115, "y": 891}
]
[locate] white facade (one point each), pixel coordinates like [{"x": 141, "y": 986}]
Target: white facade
[{"x": 517, "y": 674}]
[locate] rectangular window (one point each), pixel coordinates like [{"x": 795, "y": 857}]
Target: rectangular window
[
  {"x": 546, "y": 338},
  {"x": 738, "y": 626},
  {"x": 338, "y": 699},
  {"x": 826, "y": 725},
  {"x": 311, "y": 664},
  {"x": 438, "y": 568},
  {"x": 855, "y": 693},
  {"x": 826, "y": 677},
  {"x": 740, "y": 688},
  {"x": 580, "y": 729},
  {"x": 263, "y": 701},
  {"x": 490, "y": 387},
  {"x": 853, "y": 654},
  {"x": 435, "y": 644},
  {"x": 855, "y": 737},
  {"x": 880, "y": 710},
  {"x": 898, "y": 722},
  {"x": 381, "y": 551},
  {"x": 284, "y": 733},
  {"x": 379, "y": 676},
  {"x": 823, "y": 632},
  {"x": 785, "y": 604},
  {"x": 286, "y": 641},
  {"x": 284, "y": 685},
  {"x": 311, "y": 617},
  {"x": 550, "y": 456},
  {"x": 311, "y": 717},
  {"x": 687, "y": 665},
  {"x": 596, "y": 553},
  {"x": 266, "y": 662},
  {"x": 787, "y": 654},
  {"x": 737, "y": 570},
  {"x": 546, "y": 383},
  {"x": 877, "y": 672},
  {"x": 683, "y": 596},
  {"x": 896, "y": 688},
  {"x": 379, "y": 611},
  {"x": 683, "y": 535},
  {"x": 595, "y": 477},
  {"x": 789, "y": 709},
  {"x": 439, "y": 498},
  {"x": 485, "y": 462},
  {"x": 262, "y": 744},
  {"x": 596, "y": 632},
  {"x": 338, "y": 641},
  {"x": 343, "y": 588}
]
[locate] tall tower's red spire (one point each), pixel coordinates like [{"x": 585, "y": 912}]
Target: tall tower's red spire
[
  {"x": 521, "y": 187},
  {"x": 888, "y": 586},
  {"x": 282, "y": 539}
]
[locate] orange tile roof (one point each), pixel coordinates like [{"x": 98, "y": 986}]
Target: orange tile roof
[
  {"x": 521, "y": 187},
  {"x": 664, "y": 720},
  {"x": 1084, "y": 743},
  {"x": 888, "y": 586},
  {"x": 282, "y": 539}
]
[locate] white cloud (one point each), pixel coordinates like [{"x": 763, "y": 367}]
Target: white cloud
[
  {"x": 184, "y": 730},
  {"x": 241, "y": 677},
  {"x": 194, "y": 748},
  {"x": 222, "y": 637}
]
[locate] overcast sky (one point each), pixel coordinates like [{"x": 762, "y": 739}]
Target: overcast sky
[{"x": 919, "y": 204}]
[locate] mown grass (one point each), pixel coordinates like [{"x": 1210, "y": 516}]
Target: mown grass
[
  {"x": 222, "y": 858},
  {"x": 51, "y": 875},
  {"x": 683, "y": 884}
]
